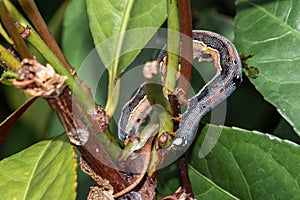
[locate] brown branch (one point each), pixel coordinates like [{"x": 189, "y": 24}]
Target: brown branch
[
  {"x": 185, "y": 180},
  {"x": 184, "y": 84},
  {"x": 43, "y": 81},
  {"x": 78, "y": 131},
  {"x": 186, "y": 74},
  {"x": 40, "y": 26},
  {"x": 140, "y": 160},
  {"x": 186, "y": 45}
]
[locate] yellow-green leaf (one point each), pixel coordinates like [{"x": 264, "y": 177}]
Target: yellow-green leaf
[{"x": 46, "y": 170}]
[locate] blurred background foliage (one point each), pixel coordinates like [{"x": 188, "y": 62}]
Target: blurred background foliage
[{"x": 246, "y": 108}]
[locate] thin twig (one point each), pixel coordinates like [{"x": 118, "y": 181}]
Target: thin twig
[
  {"x": 40, "y": 26},
  {"x": 9, "y": 24},
  {"x": 34, "y": 38},
  {"x": 186, "y": 45},
  {"x": 186, "y": 74},
  {"x": 185, "y": 180}
]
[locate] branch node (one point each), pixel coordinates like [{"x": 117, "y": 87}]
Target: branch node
[{"x": 39, "y": 80}]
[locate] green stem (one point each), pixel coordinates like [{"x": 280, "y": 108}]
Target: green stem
[
  {"x": 39, "y": 24},
  {"x": 170, "y": 82},
  {"x": 9, "y": 24},
  {"x": 159, "y": 102},
  {"x": 5, "y": 35},
  {"x": 113, "y": 94},
  {"x": 110, "y": 144},
  {"x": 82, "y": 93},
  {"x": 173, "y": 44},
  {"x": 40, "y": 45},
  {"x": 9, "y": 59}
]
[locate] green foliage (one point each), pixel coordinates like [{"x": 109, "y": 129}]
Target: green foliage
[
  {"x": 46, "y": 170},
  {"x": 109, "y": 20},
  {"x": 269, "y": 31},
  {"x": 120, "y": 29},
  {"x": 245, "y": 165},
  {"x": 242, "y": 164},
  {"x": 75, "y": 29}
]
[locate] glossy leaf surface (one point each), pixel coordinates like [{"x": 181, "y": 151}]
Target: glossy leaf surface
[
  {"x": 122, "y": 28},
  {"x": 269, "y": 31},
  {"x": 46, "y": 170},
  {"x": 244, "y": 165}
]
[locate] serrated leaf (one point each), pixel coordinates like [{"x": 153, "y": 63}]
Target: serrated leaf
[
  {"x": 121, "y": 28},
  {"x": 46, "y": 170},
  {"x": 244, "y": 165},
  {"x": 269, "y": 30}
]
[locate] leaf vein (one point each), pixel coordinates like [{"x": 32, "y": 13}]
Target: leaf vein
[
  {"x": 240, "y": 171},
  {"x": 289, "y": 12},
  {"x": 271, "y": 39},
  {"x": 34, "y": 170},
  {"x": 279, "y": 60},
  {"x": 276, "y": 19},
  {"x": 112, "y": 6},
  {"x": 212, "y": 183}
]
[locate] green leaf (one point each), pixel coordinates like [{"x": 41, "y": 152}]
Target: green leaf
[
  {"x": 109, "y": 21},
  {"x": 269, "y": 30},
  {"x": 205, "y": 188},
  {"x": 244, "y": 165},
  {"x": 46, "y": 170},
  {"x": 76, "y": 38},
  {"x": 120, "y": 29}
]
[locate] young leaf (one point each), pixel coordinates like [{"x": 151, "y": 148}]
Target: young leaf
[
  {"x": 244, "y": 165},
  {"x": 269, "y": 31},
  {"x": 46, "y": 170}
]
